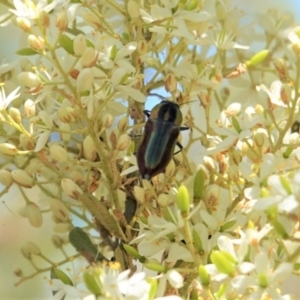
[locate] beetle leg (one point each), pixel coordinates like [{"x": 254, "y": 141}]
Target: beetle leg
[
  {"x": 147, "y": 113},
  {"x": 184, "y": 128},
  {"x": 180, "y": 148}
]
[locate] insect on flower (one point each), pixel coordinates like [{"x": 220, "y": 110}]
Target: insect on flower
[{"x": 160, "y": 137}]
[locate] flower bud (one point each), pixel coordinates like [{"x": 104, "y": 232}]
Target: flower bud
[
  {"x": 154, "y": 265},
  {"x": 70, "y": 188},
  {"x": 123, "y": 124},
  {"x": 62, "y": 21},
  {"x": 36, "y": 43},
  {"x": 5, "y": 177},
  {"x": 26, "y": 142},
  {"x": 296, "y": 48},
  {"x": 62, "y": 276},
  {"x": 209, "y": 163},
  {"x": 107, "y": 120},
  {"x": 85, "y": 80},
  {"x": 15, "y": 115},
  {"x": 132, "y": 252},
  {"x": 89, "y": 149},
  {"x": 123, "y": 142},
  {"x": 204, "y": 276},
  {"x": 58, "y": 153},
  {"x": 281, "y": 69},
  {"x": 286, "y": 93},
  {"x": 44, "y": 19},
  {"x": 233, "y": 109},
  {"x": 34, "y": 215},
  {"x": 233, "y": 173},
  {"x": 224, "y": 262},
  {"x": 163, "y": 200},
  {"x": 62, "y": 227},
  {"x": 22, "y": 178},
  {"x": 170, "y": 83},
  {"x": 257, "y": 58},
  {"x": 199, "y": 183},
  {"x": 92, "y": 283},
  {"x": 66, "y": 114},
  {"x": 259, "y": 139},
  {"x": 259, "y": 109},
  {"x": 23, "y": 23},
  {"x": 79, "y": 44},
  {"x": 30, "y": 249},
  {"x": 57, "y": 241},
  {"x": 139, "y": 194},
  {"x": 91, "y": 19},
  {"x": 28, "y": 79},
  {"x": 170, "y": 169},
  {"x": 29, "y": 108},
  {"x": 89, "y": 58},
  {"x": 133, "y": 9},
  {"x": 60, "y": 212},
  {"x": 183, "y": 200},
  {"x": 8, "y": 149}
]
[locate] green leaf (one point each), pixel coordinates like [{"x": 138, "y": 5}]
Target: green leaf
[
  {"x": 59, "y": 274},
  {"x": 66, "y": 43},
  {"x": 26, "y": 52},
  {"x": 199, "y": 184}
]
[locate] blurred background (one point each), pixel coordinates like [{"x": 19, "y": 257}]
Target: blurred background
[{"x": 15, "y": 230}]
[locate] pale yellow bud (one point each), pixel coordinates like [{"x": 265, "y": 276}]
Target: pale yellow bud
[
  {"x": 107, "y": 120},
  {"x": 28, "y": 79},
  {"x": 212, "y": 192},
  {"x": 209, "y": 163},
  {"x": 170, "y": 169},
  {"x": 139, "y": 194},
  {"x": 15, "y": 115},
  {"x": 66, "y": 114},
  {"x": 236, "y": 156},
  {"x": 85, "y": 80},
  {"x": 29, "y": 108},
  {"x": 89, "y": 58},
  {"x": 34, "y": 215},
  {"x": 70, "y": 188},
  {"x": 22, "y": 178},
  {"x": 23, "y": 23},
  {"x": 296, "y": 48},
  {"x": 170, "y": 83},
  {"x": 233, "y": 109},
  {"x": 62, "y": 21},
  {"x": 89, "y": 149},
  {"x": 36, "y": 43},
  {"x": 91, "y": 19},
  {"x": 233, "y": 173},
  {"x": 57, "y": 241},
  {"x": 123, "y": 142},
  {"x": 123, "y": 124},
  {"x": 30, "y": 249},
  {"x": 79, "y": 44},
  {"x": 259, "y": 109},
  {"x": 5, "y": 178},
  {"x": 58, "y": 153},
  {"x": 8, "y": 149},
  {"x": 26, "y": 142},
  {"x": 259, "y": 139},
  {"x": 163, "y": 200},
  {"x": 59, "y": 210},
  {"x": 133, "y": 9},
  {"x": 44, "y": 19}
]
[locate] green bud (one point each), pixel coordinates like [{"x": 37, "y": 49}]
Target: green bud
[
  {"x": 204, "y": 276},
  {"x": 272, "y": 213},
  {"x": 227, "y": 225},
  {"x": 197, "y": 242},
  {"x": 199, "y": 184},
  {"x": 287, "y": 152},
  {"x": 153, "y": 288},
  {"x": 191, "y": 5},
  {"x": 26, "y": 52},
  {"x": 221, "y": 291},
  {"x": 66, "y": 43},
  {"x": 279, "y": 229},
  {"x": 224, "y": 262},
  {"x": 59, "y": 274},
  {"x": 133, "y": 252},
  {"x": 155, "y": 266},
  {"x": 236, "y": 125},
  {"x": 257, "y": 58},
  {"x": 264, "y": 193},
  {"x": 286, "y": 185},
  {"x": 113, "y": 52},
  {"x": 92, "y": 283},
  {"x": 263, "y": 280},
  {"x": 183, "y": 200}
]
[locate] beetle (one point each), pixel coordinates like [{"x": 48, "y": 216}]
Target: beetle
[{"x": 159, "y": 139}]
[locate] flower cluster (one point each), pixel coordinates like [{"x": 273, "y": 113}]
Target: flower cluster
[{"x": 222, "y": 220}]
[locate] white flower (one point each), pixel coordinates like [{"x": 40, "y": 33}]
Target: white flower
[{"x": 5, "y": 101}]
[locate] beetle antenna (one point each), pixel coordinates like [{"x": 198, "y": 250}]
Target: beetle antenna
[{"x": 157, "y": 95}]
